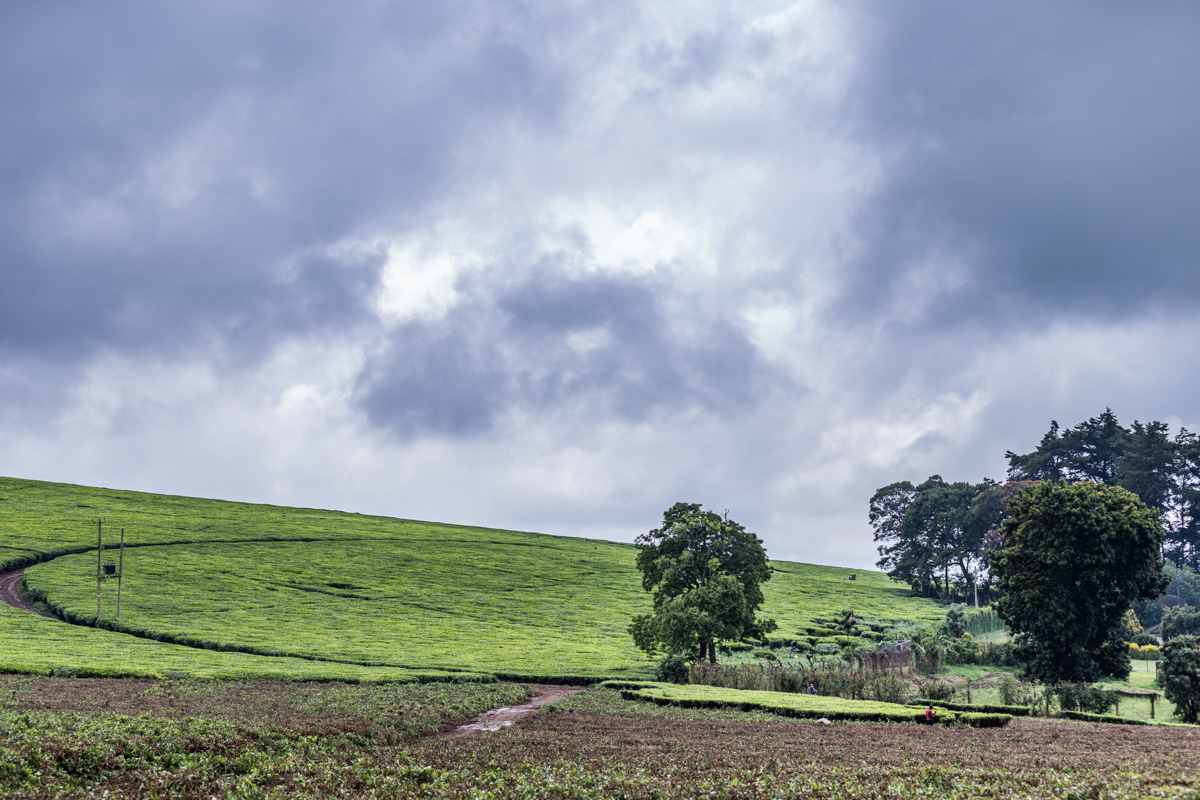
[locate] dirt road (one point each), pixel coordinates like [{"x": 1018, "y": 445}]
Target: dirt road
[
  {"x": 10, "y": 592},
  {"x": 502, "y": 717}
]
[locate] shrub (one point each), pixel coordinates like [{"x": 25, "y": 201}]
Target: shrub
[
  {"x": 792, "y": 682},
  {"x": 1179, "y": 675},
  {"x": 983, "y": 620},
  {"x": 672, "y": 669},
  {"x": 1144, "y": 639},
  {"x": 956, "y": 622},
  {"x": 1012, "y": 711},
  {"x": 1082, "y": 697},
  {"x": 1147, "y": 652},
  {"x": 1130, "y": 627},
  {"x": 1016, "y": 693},
  {"x": 1180, "y": 621},
  {"x": 888, "y": 689},
  {"x": 996, "y": 653},
  {"x": 961, "y": 651},
  {"x": 938, "y": 690}
]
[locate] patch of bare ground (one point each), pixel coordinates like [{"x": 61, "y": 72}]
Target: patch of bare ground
[
  {"x": 293, "y": 709},
  {"x": 679, "y": 758}
]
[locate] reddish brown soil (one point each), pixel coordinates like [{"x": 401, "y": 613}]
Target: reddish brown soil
[
  {"x": 10, "y": 591},
  {"x": 502, "y": 717}
]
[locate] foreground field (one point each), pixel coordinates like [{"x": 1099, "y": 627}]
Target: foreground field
[
  {"x": 276, "y": 587},
  {"x": 77, "y": 738}
]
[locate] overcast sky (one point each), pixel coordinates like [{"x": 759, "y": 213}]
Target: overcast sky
[{"x": 556, "y": 266}]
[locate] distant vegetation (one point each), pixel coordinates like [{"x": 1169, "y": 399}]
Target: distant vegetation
[{"x": 935, "y": 535}]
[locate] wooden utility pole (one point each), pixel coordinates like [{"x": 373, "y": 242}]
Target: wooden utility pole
[
  {"x": 99, "y": 568},
  {"x": 101, "y": 575},
  {"x": 120, "y": 571}
]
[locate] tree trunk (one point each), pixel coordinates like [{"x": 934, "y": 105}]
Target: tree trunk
[{"x": 712, "y": 651}]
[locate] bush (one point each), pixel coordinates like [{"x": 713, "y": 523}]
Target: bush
[
  {"x": 1130, "y": 627},
  {"x": 961, "y": 651},
  {"x": 792, "y": 682},
  {"x": 1015, "y": 693},
  {"x": 1001, "y": 654},
  {"x": 956, "y": 621},
  {"x": 983, "y": 620},
  {"x": 1144, "y": 639},
  {"x": 1082, "y": 697},
  {"x": 938, "y": 690},
  {"x": 1179, "y": 675},
  {"x": 1180, "y": 621},
  {"x": 672, "y": 669},
  {"x": 1146, "y": 652},
  {"x": 1012, "y": 711},
  {"x": 888, "y": 689}
]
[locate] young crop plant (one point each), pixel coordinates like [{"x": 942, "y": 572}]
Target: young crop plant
[{"x": 803, "y": 706}]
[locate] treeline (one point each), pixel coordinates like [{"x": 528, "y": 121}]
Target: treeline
[{"x": 936, "y": 535}]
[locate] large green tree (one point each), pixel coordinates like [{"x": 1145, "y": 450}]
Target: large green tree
[
  {"x": 705, "y": 573},
  {"x": 1074, "y": 557},
  {"x": 931, "y": 534},
  {"x": 1163, "y": 471}
]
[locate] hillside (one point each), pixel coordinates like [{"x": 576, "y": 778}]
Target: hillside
[{"x": 290, "y": 592}]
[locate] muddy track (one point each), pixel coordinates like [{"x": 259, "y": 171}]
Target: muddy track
[
  {"x": 10, "y": 591},
  {"x": 497, "y": 718}
]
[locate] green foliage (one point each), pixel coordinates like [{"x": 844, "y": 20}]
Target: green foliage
[
  {"x": 1011, "y": 710},
  {"x": 1179, "y": 675},
  {"x": 1083, "y": 697},
  {"x": 940, "y": 691},
  {"x": 980, "y": 621},
  {"x": 928, "y": 530},
  {"x": 1184, "y": 589},
  {"x": 956, "y": 620},
  {"x": 1180, "y": 621},
  {"x": 303, "y": 594},
  {"x": 1075, "y": 555},
  {"x": 1163, "y": 472},
  {"x": 802, "y": 706},
  {"x": 672, "y": 669},
  {"x": 1130, "y": 627},
  {"x": 705, "y": 574}
]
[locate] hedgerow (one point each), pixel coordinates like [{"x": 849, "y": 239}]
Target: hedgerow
[{"x": 802, "y": 706}]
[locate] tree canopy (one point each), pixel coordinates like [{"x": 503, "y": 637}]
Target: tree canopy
[
  {"x": 937, "y": 533},
  {"x": 705, "y": 574},
  {"x": 1074, "y": 557},
  {"x": 1162, "y": 470}
]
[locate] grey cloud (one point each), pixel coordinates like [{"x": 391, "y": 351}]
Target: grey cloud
[
  {"x": 164, "y": 165},
  {"x": 600, "y": 344},
  {"x": 1053, "y": 149}
]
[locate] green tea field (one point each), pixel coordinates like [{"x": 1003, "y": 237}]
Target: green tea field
[{"x": 215, "y": 588}]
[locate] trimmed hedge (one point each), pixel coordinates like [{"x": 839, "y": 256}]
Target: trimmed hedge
[
  {"x": 799, "y": 706},
  {"x": 1084, "y": 716},
  {"x": 1014, "y": 711}
]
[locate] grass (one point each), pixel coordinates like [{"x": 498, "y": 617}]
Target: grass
[{"x": 327, "y": 594}]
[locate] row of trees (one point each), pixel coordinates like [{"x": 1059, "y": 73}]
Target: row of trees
[
  {"x": 936, "y": 535},
  {"x": 1163, "y": 471}
]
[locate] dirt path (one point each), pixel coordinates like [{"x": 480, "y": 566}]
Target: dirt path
[
  {"x": 497, "y": 718},
  {"x": 10, "y": 591}
]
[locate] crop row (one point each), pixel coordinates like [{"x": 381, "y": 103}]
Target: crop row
[
  {"x": 358, "y": 590},
  {"x": 802, "y": 706}
]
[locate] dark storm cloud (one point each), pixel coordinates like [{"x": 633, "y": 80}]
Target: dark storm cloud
[
  {"x": 172, "y": 172},
  {"x": 1052, "y": 151},
  {"x": 599, "y": 344}
]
